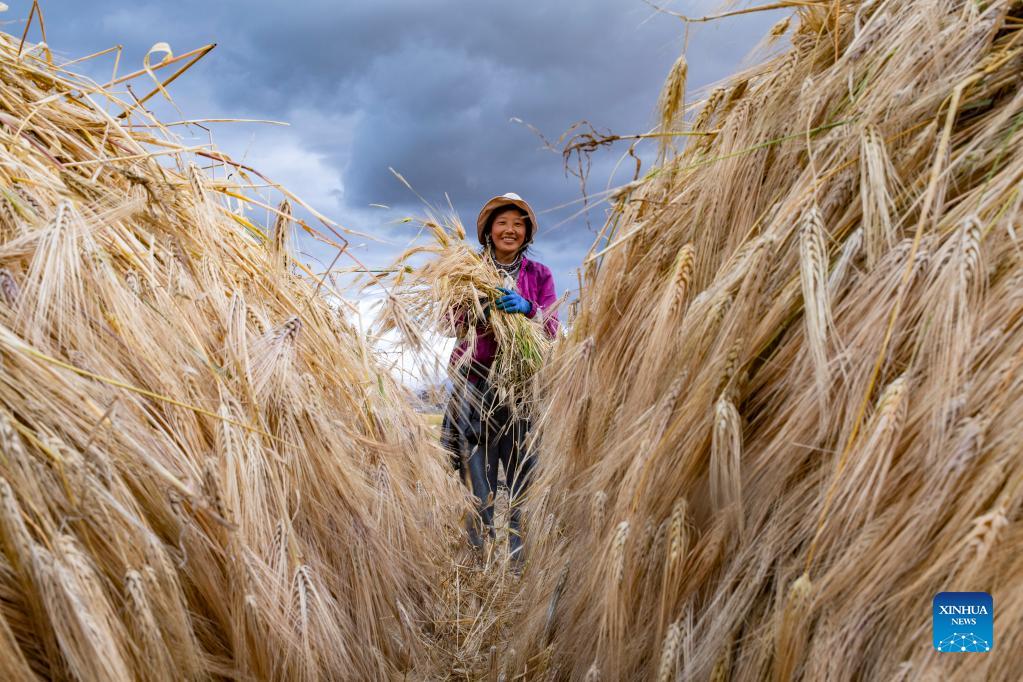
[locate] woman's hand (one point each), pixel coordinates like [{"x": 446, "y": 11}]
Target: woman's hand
[{"x": 513, "y": 302}]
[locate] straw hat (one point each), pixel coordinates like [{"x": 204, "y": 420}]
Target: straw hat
[{"x": 503, "y": 200}]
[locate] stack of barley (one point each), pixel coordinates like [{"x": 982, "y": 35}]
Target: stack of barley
[
  {"x": 203, "y": 471},
  {"x": 790, "y": 410}
]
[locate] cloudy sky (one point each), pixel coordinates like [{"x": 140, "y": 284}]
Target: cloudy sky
[{"x": 431, "y": 88}]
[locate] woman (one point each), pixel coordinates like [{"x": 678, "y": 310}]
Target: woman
[{"x": 478, "y": 430}]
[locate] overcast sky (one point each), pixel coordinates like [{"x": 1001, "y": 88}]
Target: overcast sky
[{"x": 428, "y": 87}]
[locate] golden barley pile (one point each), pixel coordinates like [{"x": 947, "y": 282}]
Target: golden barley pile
[
  {"x": 204, "y": 473},
  {"x": 791, "y": 407}
]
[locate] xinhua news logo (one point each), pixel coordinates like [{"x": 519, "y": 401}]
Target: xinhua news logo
[{"x": 963, "y": 622}]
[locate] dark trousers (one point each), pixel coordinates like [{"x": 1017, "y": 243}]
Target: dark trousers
[{"x": 480, "y": 432}]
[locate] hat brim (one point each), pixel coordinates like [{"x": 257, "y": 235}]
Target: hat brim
[{"x": 497, "y": 202}]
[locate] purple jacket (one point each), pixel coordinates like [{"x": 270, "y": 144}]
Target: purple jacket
[{"x": 536, "y": 284}]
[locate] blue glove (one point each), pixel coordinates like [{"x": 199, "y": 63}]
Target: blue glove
[{"x": 512, "y": 302}]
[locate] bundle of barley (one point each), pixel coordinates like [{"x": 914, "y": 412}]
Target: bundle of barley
[
  {"x": 790, "y": 409},
  {"x": 203, "y": 471},
  {"x": 453, "y": 292}
]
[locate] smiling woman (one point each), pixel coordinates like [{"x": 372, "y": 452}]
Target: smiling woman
[
  {"x": 478, "y": 422},
  {"x": 509, "y": 224}
]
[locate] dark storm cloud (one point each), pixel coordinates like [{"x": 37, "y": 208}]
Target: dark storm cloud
[{"x": 425, "y": 87}]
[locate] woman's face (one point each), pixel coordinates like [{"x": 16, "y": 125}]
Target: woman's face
[{"x": 508, "y": 233}]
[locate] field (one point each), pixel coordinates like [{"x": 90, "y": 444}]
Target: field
[{"x": 786, "y": 416}]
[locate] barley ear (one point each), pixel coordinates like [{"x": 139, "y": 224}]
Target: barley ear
[
  {"x": 671, "y": 105},
  {"x": 792, "y": 629},
  {"x": 725, "y": 472},
  {"x": 669, "y": 654},
  {"x": 280, "y": 251},
  {"x": 813, "y": 276}
]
